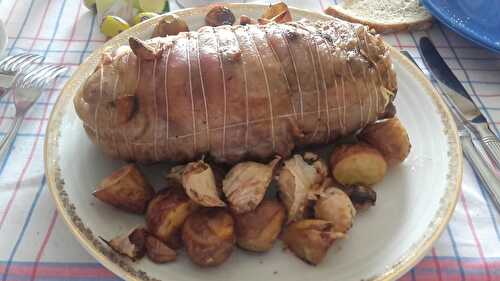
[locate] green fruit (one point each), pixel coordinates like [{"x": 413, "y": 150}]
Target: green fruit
[
  {"x": 144, "y": 16},
  {"x": 112, "y": 25},
  {"x": 155, "y": 6},
  {"x": 91, "y": 5},
  {"x": 136, "y": 4}
]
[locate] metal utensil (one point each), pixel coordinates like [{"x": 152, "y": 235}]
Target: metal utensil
[
  {"x": 472, "y": 118},
  {"x": 478, "y": 164},
  {"x": 10, "y": 65},
  {"x": 27, "y": 87}
]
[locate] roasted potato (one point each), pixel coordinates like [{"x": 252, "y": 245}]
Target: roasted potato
[
  {"x": 219, "y": 15},
  {"x": 246, "y": 184},
  {"x": 257, "y": 230},
  {"x": 199, "y": 183},
  {"x": 209, "y": 237},
  {"x": 336, "y": 207},
  {"x": 170, "y": 25},
  {"x": 361, "y": 197},
  {"x": 310, "y": 239},
  {"x": 132, "y": 244},
  {"x": 390, "y": 138},
  {"x": 157, "y": 251},
  {"x": 167, "y": 212},
  {"x": 353, "y": 164},
  {"x": 276, "y": 13},
  {"x": 126, "y": 189}
]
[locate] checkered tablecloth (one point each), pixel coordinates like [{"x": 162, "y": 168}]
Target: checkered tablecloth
[{"x": 36, "y": 245}]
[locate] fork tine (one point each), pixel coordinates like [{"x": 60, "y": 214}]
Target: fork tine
[
  {"x": 5, "y": 63},
  {"x": 21, "y": 63},
  {"x": 39, "y": 75},
  {"x": 29, "y": 77},
  {"x": 49, "y": 75},
  {"x": 52, "y": 75}
]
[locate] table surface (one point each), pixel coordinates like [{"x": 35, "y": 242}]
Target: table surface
[{"x": 36, "y": 245}]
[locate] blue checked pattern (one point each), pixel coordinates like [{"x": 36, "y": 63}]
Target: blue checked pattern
[{"x": 35, "y": 244}]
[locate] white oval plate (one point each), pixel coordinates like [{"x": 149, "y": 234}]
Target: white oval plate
[{"x": 416, "y": 199}]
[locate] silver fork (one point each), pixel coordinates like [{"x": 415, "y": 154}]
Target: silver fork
[
  {"x": 27, "y": 88},
  {"x": 11, "y": 65}
]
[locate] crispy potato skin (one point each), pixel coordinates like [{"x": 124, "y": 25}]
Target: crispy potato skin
[
  {"x": 126, "y": 189},
  {"x": 209, "y": 236},
  {"x": 170, "y": 25},
  {"x": 257, "y": 230},
  {"x": 167, "y": 212},
  {"x": 359, "y": 163},
  {"x": 157, "y": 251},
  {"x": 310, "y": 239},
  {"x": 390, "y": 138}
]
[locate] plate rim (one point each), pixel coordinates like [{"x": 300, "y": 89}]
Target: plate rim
[
  {"x": 466, "y": 33},
  {"x": 124, "y": 270}
]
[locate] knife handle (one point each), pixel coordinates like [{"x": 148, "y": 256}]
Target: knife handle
[
  {"x": 490, "y": 143},
  {"x": 490, "y": 181}
]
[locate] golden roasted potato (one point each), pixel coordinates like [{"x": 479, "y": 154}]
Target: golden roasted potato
[
  {"x": 219, "y": 15},
  {"x": 126, "y": 189},
  {"x": 359, "y": 163},
  {"x": 361, "y": 197},
  {"x": 276, "y": 13},
  {"x": 257, "y": 230},
  {"x": 335, "y": 206},
  {"x": 310, "y": 239},
  {"x": 390, "y": 138},
  {"x": 158, "y": 251},
  {"x": 132, "y": 244},
  {"x": 167, "y": 212},
  {"x": 209, "y": 237},
  {"x": 170, "y": 25}
]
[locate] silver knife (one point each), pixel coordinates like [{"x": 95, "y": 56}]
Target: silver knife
[
  {"x": 478, "y": 164},
  {"x": 472, "y": 118}
]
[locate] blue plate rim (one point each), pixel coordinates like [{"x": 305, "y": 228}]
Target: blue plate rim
[{"x": 472, "y": 36}]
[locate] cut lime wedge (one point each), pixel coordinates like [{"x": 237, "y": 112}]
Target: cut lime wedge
[{"x": 154, "y": 6}]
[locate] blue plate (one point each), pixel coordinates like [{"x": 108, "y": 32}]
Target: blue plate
[{"x": 476, "y": 20}]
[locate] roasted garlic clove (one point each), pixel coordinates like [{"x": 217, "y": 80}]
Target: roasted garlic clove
[
  {"x": 158, "y": 251},
  {"x": 362, "y": 197},
  {"x": 310, "y": 239},
  {"x": 126, "y": 189},
  {"x": 335, "y": 206},
  {"x": 167, "y": 212},
  {"x": 296, "y": 179},
  {"x": 131, "y": 244},
  {"x": 258, "y": 229},
  {"x": 199, "y": 182},
  {"x": 208, "y": 235},
  {"x": 246, "y": 184}
]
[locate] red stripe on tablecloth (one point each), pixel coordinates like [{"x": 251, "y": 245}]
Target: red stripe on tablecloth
[
  {"x": 30, "y": 157},
  {"x": 476, "y": 240},
  {"x": 73, "y": 271},
  {"x": 42, "y": 248},
  {"x": 54, "y": 218},
  {"x": 436, "y": 264}
]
